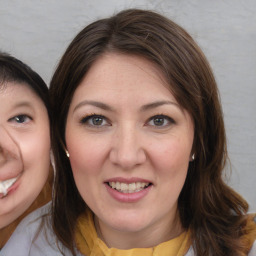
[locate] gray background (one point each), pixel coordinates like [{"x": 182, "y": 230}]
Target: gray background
[{"x": 39, "y": 31}]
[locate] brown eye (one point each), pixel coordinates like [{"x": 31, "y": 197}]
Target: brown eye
[
  {"x": 160, "y": 121},
  {"x": 95, "y": 120},
  {"x": 20, "y": 119}
]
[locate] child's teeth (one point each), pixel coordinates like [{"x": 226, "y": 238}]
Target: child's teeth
[
  {"x": 4, "y": 185},
  {"x": 3, "y": 190}
]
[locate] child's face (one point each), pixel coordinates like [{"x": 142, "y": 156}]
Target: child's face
[{"x": 24, "y": 149}]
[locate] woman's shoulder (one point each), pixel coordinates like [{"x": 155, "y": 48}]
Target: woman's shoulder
[
  {"x": 249, "y": 238},
  {"x": 253, "y": 250}
]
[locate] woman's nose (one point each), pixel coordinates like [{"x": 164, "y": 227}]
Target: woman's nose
[{"x": 127, "y": 149}]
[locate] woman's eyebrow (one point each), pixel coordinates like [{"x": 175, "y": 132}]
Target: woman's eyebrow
[
  {"x": 93, "y": 103},
  {"x": 158, "y": 104},
  {"x": 108, "y": 108}
]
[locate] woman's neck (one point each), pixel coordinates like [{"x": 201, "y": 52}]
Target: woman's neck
[{"x": 146, "y": 238}]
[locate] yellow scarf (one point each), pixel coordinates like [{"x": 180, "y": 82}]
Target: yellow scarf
[{"x": 89, "y": 244}]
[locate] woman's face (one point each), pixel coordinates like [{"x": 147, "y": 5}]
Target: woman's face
[
  {"x": 24, "y": 149},
  {"x": 130, "y": 145}
]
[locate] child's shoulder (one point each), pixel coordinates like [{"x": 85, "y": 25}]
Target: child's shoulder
[{"x": 26, "y": 231}]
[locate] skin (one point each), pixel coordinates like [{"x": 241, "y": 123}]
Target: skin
[
  {"x": 125, "y": 124},
  {"x": 25, "y": 147}
]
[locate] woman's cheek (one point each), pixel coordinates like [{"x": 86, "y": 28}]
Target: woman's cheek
[
  {"x": 170, "y": 156},
  {"x": 87, "y": 153}
]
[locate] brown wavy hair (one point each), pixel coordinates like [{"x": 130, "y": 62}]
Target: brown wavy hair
[{"x": 208, "y": 207}]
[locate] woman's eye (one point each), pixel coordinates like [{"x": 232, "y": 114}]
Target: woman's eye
[
  {"x": 20, "y": 119},
  {"x": 95, "y": 120},
  {"x": 160, "y": 121}
]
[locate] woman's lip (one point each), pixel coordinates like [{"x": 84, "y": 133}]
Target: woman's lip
[
  {"x": 128, "y": 197},
  {"x": 127, "y": 180}
]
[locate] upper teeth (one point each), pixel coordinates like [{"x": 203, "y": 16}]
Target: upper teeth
[
  {"x": 128, "y": 188},
  {"x": 4, "y": 185}
]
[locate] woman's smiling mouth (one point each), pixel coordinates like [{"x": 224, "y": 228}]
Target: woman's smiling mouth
[
  {"x": 128, "y": 190},
  {"x": 128, "y": 187}
]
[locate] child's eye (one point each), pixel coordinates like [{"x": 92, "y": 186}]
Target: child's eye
[
  {"x": 20, "y": 119},
  {"x": 95, "y": 120},
  {"x": 160, "y": 121}
]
